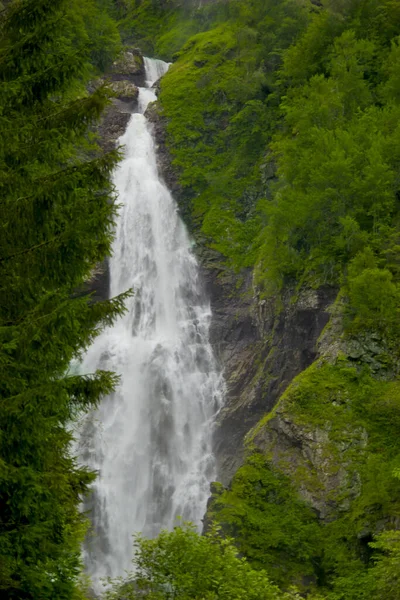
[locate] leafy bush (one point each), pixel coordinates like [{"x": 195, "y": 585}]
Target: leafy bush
[{"x": 187, "y": 566}]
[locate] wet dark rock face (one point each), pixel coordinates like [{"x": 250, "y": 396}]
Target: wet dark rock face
[
  {"x": 98, "y": 284},
  {"x": 112, "y": 126},
  {"x": 164, "y": 158},
  {"x": 261, "y": 350},
  {"x": 125, "y": 76}
]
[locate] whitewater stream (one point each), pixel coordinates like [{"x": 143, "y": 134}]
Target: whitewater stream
[{"x": 151, "y": 440}]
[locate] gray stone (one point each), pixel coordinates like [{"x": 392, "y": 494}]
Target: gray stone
[
  {"x": 129, "y": 67},
  {"x": 355, "y": 350},
  {"x": 113, "y": 125},
  {"x": 125, "y": 91},
  {"x": 164, "y": 158},
  {"x": 261, "y": 350}
]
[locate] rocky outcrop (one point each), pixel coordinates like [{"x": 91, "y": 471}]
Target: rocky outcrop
[
  {"x": 164, "y": 158},
  {"x": 129, "y": 67},
  {"x": 261, "y": 350},
  {"x": 112, "y": 126},
  {"x": 126, "y": 92},
  {"x": 125, "y": 75},
  {"x": 318, "y": 435},
  {"x": 317, "y": 466}
]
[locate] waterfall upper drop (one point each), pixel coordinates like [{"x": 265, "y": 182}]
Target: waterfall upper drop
[{"x": 151, "y": 440}]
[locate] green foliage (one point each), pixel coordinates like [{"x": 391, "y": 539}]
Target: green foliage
[
  {"x": 338, "y": 156},
  {"x": 385, "y": 573},
  {"x": 374, "y": 296},
  {"x": 162, "y": 27},
  {"x": 102, "y": 31},
  {"x": 336, "y": 190},
  {"x": 271, "y": 526},
  {"x": 353, "y": 420},
  {"x": 381, "y": 580},
  {"x": 288, "y": 150},
  {"x": 218, "y": 139},
  {"x": 185, "y": 565},
  {"x": 57, "y": 206}
]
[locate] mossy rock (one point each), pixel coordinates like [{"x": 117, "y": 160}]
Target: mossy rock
[
  {"x": 320, "y": 477},
  {"x": 130, "y": 63},
  {"x": 125, "y": 91}
]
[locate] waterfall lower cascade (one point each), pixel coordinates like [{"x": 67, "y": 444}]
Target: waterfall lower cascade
[{"x": 151, "y": 440}]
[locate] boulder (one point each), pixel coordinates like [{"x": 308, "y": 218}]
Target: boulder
[
  {"x": 130, "y": 67},
  {"x": 125, "y": 91},
  {"x": 112, "y": 126}
]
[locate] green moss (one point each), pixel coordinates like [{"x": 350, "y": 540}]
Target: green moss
[{"x": 250, "y": 437}]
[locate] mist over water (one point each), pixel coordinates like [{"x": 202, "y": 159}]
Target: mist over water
[{"x": 151, "y": 440}]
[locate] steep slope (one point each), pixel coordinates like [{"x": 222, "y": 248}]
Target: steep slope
[{"x": 278, "y": 132}]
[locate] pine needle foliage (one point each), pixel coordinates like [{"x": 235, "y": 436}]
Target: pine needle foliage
[{"x": 57, "y": 209}]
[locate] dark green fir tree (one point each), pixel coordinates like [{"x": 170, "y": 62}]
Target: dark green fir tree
[{"x": 57, "y": 208}]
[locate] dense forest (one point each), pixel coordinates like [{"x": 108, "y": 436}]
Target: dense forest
[
  {"x": 282, "y": 121},
  {"x": 57, "y": 210}
]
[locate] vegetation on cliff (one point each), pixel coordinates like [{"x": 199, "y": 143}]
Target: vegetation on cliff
[
  {"x": 283, "y": 123},
  {"x": 333, "y": 436},
  {"x": 288, "y": 148}
]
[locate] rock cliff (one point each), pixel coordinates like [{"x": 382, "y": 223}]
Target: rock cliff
[
  {"x": 261, "y": 345},
  {"x": 125, "y": 76}
]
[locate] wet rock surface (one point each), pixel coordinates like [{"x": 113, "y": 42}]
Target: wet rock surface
[
  {"x": 126, "y": 91},
  {"x": 99, "y": 283},
  {"x": 129, "y": 67},
  {"x": 261, "y": 351},
  {"x": 164, "y": 158},
  {"x": 112, "y": 126},
  {"x": 125, "y": 76}
]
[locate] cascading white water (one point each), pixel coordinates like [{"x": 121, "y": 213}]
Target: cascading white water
[
  {"x": 154, "y": 69},
  {"x": 151, "y": 440}
]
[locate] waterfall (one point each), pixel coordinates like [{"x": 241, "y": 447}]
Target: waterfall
[{"x": 151, "y": 440}]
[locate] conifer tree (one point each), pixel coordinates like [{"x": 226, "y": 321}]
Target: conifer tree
[{"x": 57, "y": 210}]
